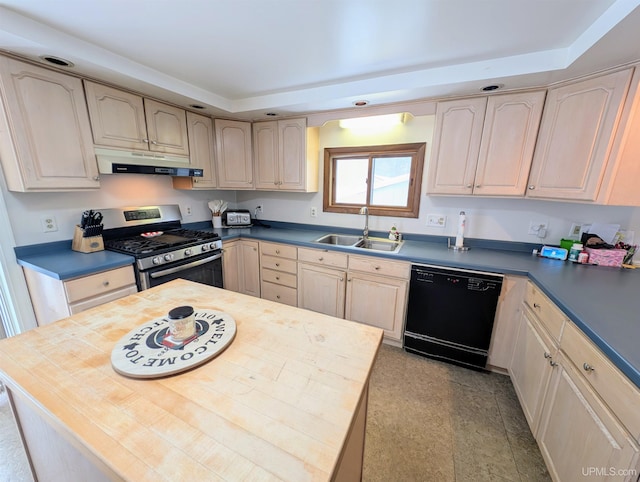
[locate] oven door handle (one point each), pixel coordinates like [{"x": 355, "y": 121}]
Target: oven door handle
[{"x": 177, "y": 269}]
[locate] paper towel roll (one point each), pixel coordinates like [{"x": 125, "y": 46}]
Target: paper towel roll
[{"x": 460, "y": 236}]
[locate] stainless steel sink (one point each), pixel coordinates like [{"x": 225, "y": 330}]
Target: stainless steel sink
[
  {"x": 339, "y": 239},
  {"x": 380, "y": 244}
]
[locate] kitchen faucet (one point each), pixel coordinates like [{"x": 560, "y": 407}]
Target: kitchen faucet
[{"x": 365, "y": 210}]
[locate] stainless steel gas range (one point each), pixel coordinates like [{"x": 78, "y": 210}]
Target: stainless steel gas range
[{"x": 163, "y": 249}]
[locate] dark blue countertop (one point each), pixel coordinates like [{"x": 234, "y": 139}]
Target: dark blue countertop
[
  {"x": 59, "y": 261},
  {"x": 603, "y": 302}
]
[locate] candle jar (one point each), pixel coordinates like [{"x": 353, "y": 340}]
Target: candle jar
[{"x": 182, "y": 323}]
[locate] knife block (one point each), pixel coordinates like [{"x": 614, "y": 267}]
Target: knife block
[{"x": 86, "y": 245}]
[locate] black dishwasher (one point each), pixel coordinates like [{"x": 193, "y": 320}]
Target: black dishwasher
[{"x": 450, "y": 314}]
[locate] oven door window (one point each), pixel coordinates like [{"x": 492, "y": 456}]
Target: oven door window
[{"x": 205, "y": 269}]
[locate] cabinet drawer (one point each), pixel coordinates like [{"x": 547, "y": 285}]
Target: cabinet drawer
[
  {"x": 102, "y": 299},
  {"x": 99, "y": 283},
  {"x": 279, "y": 264},
  {"x": 371, "y": 264},
  {"x": 547, "y": 312},
  {"x": 279, "y": 250},
  {"x": 612, "y": 386},
  {"x": 281, "y": 294},
  {"x": 280, "y": 278},
  {"x": 323, "y": 257}
]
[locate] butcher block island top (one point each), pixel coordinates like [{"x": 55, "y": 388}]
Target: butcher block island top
[{"x": 286, "y": 400}]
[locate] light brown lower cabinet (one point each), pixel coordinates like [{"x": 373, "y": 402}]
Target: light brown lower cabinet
[
  {"x": 581, "y": 409},
  {"x": 241, "y": 267}
]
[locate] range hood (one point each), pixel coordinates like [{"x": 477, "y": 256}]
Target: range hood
[{"x": 114, "y": 161}]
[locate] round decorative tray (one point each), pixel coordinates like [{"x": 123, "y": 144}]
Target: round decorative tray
[{"x": 149, "y": 351}]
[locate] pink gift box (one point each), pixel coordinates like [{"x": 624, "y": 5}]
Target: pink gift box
[{"x": 606, "y": 257}]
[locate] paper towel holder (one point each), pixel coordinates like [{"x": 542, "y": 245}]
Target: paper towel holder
[{"x": 454, "y": 247}]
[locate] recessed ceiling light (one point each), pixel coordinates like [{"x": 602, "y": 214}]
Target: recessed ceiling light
[
  {"x": 56, "y": 61},
  {"x": 196, "y": 106},
  {"x": 361, "y": 103},
  {"x": 491, "y": 87}
]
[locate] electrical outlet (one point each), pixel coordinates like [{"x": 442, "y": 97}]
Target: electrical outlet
[
  {"x": 313, "y": 212},
  {"x": 538, "y": 228},
  {"x": 436, "y": 220},
  {"x": 188, "y": 210},
  {"x": 259, "y": 209},
  {"x": 575, "y": 230},
  {"x": 49, "y": 224}
]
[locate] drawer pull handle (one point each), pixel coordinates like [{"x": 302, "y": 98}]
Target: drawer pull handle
[
  {"x": 277, "y": 277},
  {"x": 105, "y": 283},
  {"x": 277, "y": 251},
  {"x": 277, "y": 264},
  {"x": 376, "y": 268},
  {"x": 552, "y": 363},
  {"x": 547, "y": 355},
  {"x": 536, "y": 305},
  {"x": 278, "y": 296},
  {"x": 320, "y": 259},
  {"x": 587, "y": 367}
]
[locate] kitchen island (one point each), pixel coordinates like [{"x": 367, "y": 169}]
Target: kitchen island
[{"x": 286, "y": 400}]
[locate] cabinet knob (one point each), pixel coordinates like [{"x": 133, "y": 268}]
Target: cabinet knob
[
  {"x": 155, "y": 143},
  {"x": 277, "y": 251},
  {"x": 587, "y": 367},
  {"x": 277, "y": 278},
  {"x": 278, "y": 264},
  {"x": 531, "y": 187},
  {"x": 478, "y": 185},
  {"x": 106, "y": 283},
  {"x": 320, "y": 258},
  {"x": 536, "y": 305},
  {"x": 96, "y": 178},
  {"x": 146, "y": 141},
  {"x": 547, "y": 355},
  {"x": 469, "y": 186},
  {"x": 278, "y": 296},
  {"x": 552, "y": 363},
  {"x": 341, "y": 279},
  {"x": 376, "y": 268}
]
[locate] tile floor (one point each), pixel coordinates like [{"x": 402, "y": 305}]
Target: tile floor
[
  {"x": 432, "y": 421},
  {"x": 427, "y": 421}
]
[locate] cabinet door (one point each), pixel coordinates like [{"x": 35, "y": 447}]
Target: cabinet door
[
  {"x": 234, "y": 160},
  {"x": 508, "y": 140},
  {"x": 575, "y": 137},
  {"x": 201, "y": 154},
  {"x": 456, "y": 144},
  {"x": 579, "y": 437},
  {"x": 249, "y": 268},
  {"x": 530, "y": 367},
  {"x": 45, "y": 136},
  {"x": 231, "y": 266},
  {"x": 117, "y": 117},
  {"x": 167, "y": 128},
  {"x": 321, "y": 289},
  {"x": 265, "y": 154},
  {"x": 377, "y": 301},
  {"x": 292, "y": 153}
]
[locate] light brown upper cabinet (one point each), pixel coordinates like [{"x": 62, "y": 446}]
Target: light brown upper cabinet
[
  {"x": 484, "y": 146},
  {"x": 201, "y": 149},
  {"x": 45, "y": 136},
  {"x": 576, "y": 135},
  {"x": 125, "y": 120},
  {"x": 234, "y": 161},
  {"x": 285, "y": 155}
]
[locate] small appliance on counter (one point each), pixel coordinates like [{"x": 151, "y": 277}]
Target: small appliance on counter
[{"x": 236, "y": 218}]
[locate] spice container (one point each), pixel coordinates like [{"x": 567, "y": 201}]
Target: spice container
[
  {"x": 574, "y": 252},
  {"x": 583, "y": 257}
]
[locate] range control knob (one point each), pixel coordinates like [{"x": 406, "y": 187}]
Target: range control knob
[
  {"x": 205, "y": 247},
  {"x": 187, "y": 252},
  {"x": 212, "y": 245},
  {"x": 168, "y": 257},
  {"x": 157, "y": 260}
]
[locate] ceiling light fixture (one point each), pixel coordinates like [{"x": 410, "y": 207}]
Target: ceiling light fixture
[
  {"x": 376, "y": 122},
  {"x": 57, "y": 61}
]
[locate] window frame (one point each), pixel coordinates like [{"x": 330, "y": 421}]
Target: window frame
[{"x": 414, "y": 150}]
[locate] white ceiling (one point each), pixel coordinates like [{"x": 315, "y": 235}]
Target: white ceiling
[{"x": 243, "y": 58}]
